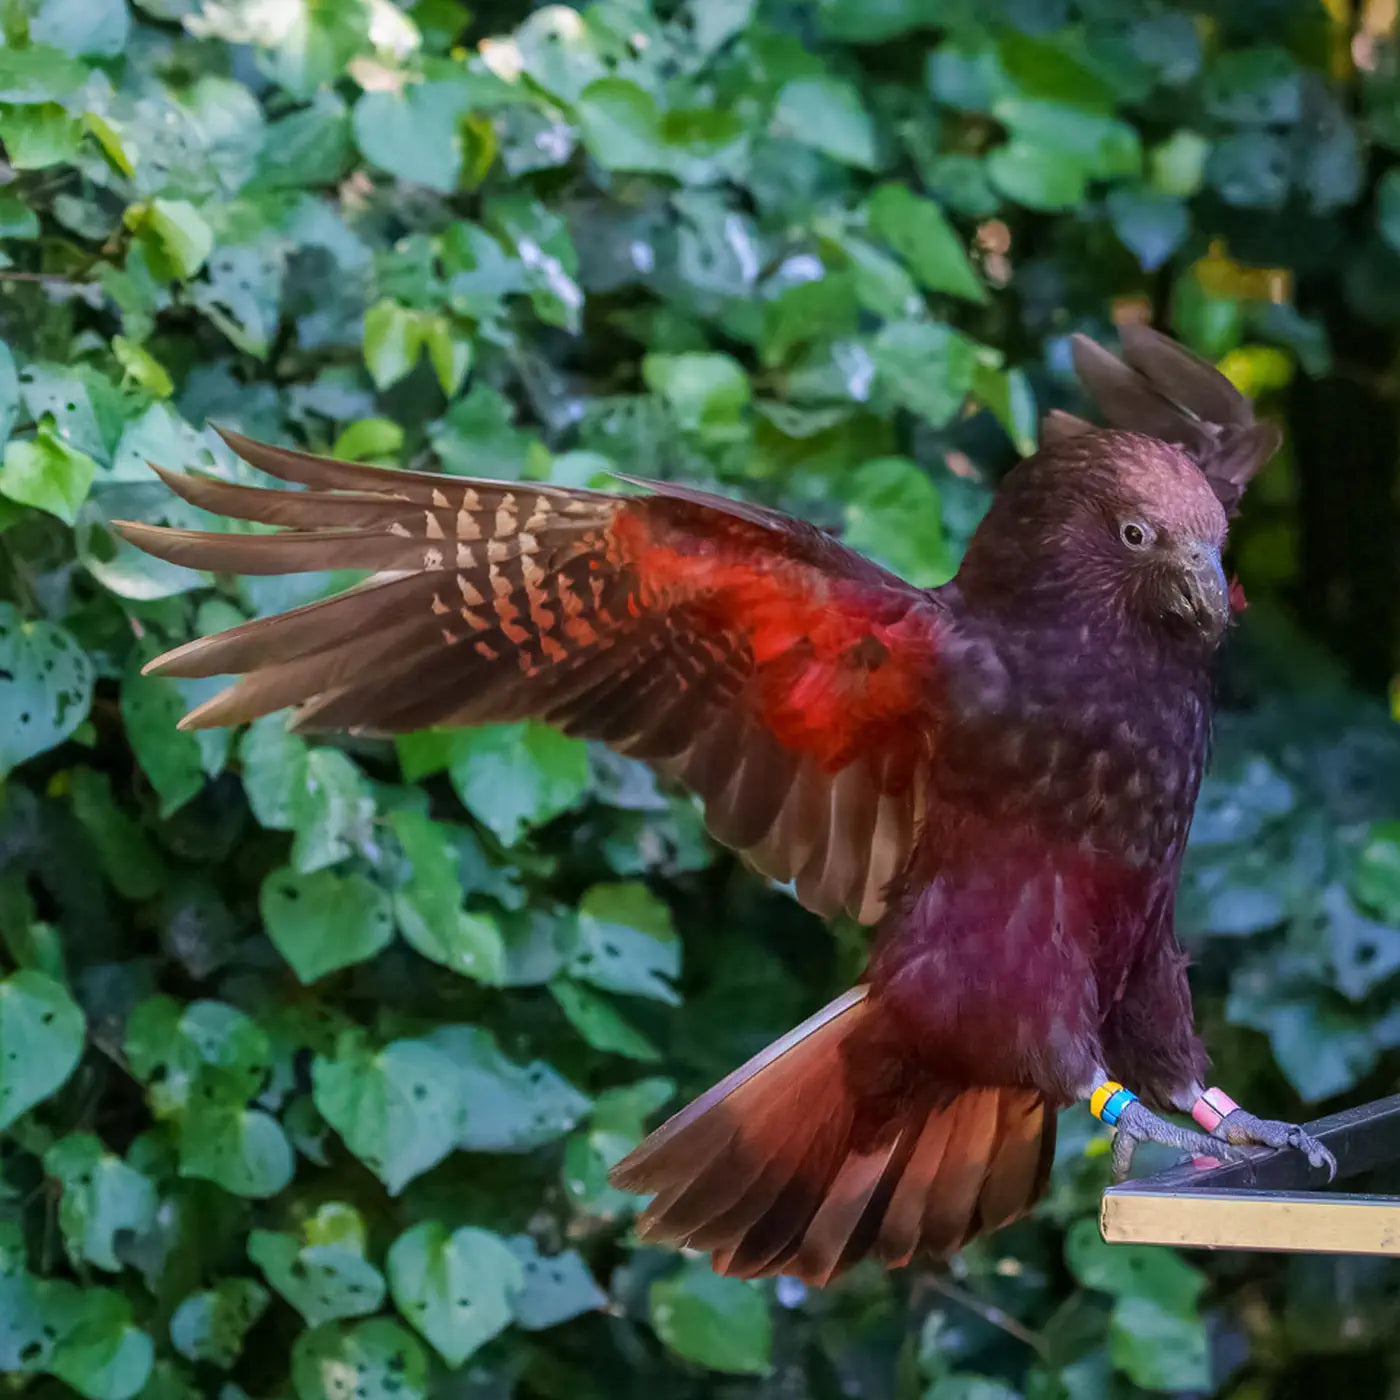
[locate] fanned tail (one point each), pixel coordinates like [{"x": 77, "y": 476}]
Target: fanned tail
[
  {"x": 832, "y": 1144},
  {"x": 1160, "y": 388}
]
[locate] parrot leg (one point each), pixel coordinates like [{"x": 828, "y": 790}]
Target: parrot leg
[
  {"x": 1133, "y": 1122},
  {"x": 1224, "y": 1119},
  {"x": 1137, "y": 1123}
]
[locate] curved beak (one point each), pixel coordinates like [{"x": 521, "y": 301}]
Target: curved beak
[{"x": 1202, "y": 594}]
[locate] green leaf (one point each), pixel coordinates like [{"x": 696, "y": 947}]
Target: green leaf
[
  {"x": 332, "y": 811},
  {"x": 397, "y": 1109},
  {"x": 324, "y": 921},
  {"x": 428, "y": 905},
  {"x": 1151, "y": 226},
  {"x": 42, "y": 1032},
  {"x": 1376, "y": 881},
  {"x": 45, "y": 687},
  {"x": 321, "y": 1279},
  {"x": 103, "y": 1200},
  {"x": 925, "y": 367},
  {"x": 127, "y": 857},
  {"x": 1158, "y": 1348},
  {"x": 556, "y": 1287},
  {"x": 17, "y": 219},
  {"x": 369, "y": 440},
  {"x": 627, "y": 942},
  {"x": 1131, "y": 1271},
  {"x": 454, "y": 1288},
  {"x": 625, "y": 130},
  {"x": 244, "y": 1150},
  {"x": 385, "y": 1361},
  {"x": 416, "y": 134},
  {"x": 707, "y": 391},
  {"x": 210, "y": 1326},
  {"x": 393, "y": 341},
  {"x": 893, "y": 513},
  {"x": 720, "y": 1323},
  {"x": 450, "y": 353},
  {"x": 140, "y": 367},
  {"x": 45, "y": 472},
  {"x": 600, "y": 1023},
  {"x": 83, "y": 28},
  {"x": 558, "y": 51},
  {"x": 38, "y": 73},
  {"x": 509, "y": 1107},
  {"x": 828, "y": 115},
  {"x": 1040, "y": 177},
  {"x": 917, "y": 230},
  {"x": 274, "y": 771},
  {"x": 151, "y": 708},
  {"x": 515, "y": 776},
  {"x": 176, "y": 232},
  {"x": 169, "y": 1045},
  {"x": 100, "y": 1351},
  {"x": 38, "y": 137}
]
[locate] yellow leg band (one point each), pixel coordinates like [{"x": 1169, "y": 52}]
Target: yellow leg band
[
  {"x": 1101, "y": 1096},
  {"x": 1108, "y": 1101}
]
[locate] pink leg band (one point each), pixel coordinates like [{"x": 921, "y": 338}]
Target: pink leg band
[{"x": 1212, "y": 1108}]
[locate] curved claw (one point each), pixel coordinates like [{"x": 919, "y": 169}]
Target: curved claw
[
  {"x": 1137, "y": 1123},
  {"x": 1245, "y": 1130}
]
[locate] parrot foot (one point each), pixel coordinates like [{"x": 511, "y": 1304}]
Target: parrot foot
[
  {"x": 1244, "y": 1130},
  {"x": 1138, "y": 1123}
]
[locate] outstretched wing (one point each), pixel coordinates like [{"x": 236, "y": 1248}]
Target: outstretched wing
[
  {"x": 1162, "y": 389},
  {"x": 787, "y": 680}
]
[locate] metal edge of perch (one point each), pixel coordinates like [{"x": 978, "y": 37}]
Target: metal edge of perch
[{"x": 1270, "y": 1201}]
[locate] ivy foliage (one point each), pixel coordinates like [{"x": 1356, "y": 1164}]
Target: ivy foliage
[{"x": 315, "y": 1052}]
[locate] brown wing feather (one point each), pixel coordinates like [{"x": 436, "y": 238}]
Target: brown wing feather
[
  {"x": 1160, "y": 388},
  {"x": 785, "y": 679}
]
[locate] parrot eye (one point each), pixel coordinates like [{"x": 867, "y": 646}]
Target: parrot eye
[{"x": 1135, "y": 534}]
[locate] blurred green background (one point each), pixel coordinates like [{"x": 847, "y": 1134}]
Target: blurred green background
[{"x": 313, "y": 1055}]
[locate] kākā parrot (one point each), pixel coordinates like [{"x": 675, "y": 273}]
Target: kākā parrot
[{"x": 997, "y": 774}]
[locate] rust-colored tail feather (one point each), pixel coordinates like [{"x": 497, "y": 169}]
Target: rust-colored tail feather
[{"x": 831, "y": 1144}]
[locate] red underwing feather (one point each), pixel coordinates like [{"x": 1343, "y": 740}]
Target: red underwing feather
[{"x": 783, "y": 677}]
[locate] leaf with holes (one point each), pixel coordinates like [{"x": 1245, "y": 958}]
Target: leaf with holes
[
  {"x": 174, "y": 1049},
  {"x": 105, "y": 1202},
  {"x": 45, "y": 687},
  {"x": 241, "y": 294},
  {"x": 42, "y": 1033},
  {"x": 151, "y": 707},
  {"x": 454, "y": 1288},
  {"x": 556, "y": 1287},
  {"x": 322, "y": 1282},
  {"x": 377, "y": 1359},
  {"x": 332, "y": 812},
  {"x": 398, "y": 1109},
  {"x": 510, "y": 1107},
  {"x": 627, "y": 942},
  {"x": 210, "y": 1326},
  {"x": 324, "y": 921}
]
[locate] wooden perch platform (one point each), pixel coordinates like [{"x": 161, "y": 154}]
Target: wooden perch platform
[{"x": 1274, "y": 1200}]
